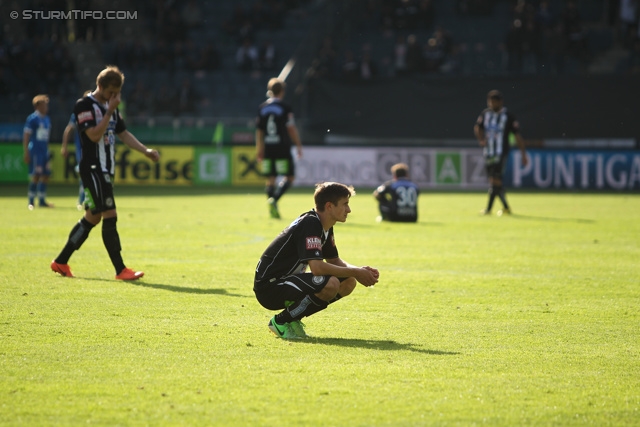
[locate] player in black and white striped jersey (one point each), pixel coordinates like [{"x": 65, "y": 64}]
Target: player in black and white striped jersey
[
  {"x": 99, "y": 122},
  {"x": 492, "y": 129}
]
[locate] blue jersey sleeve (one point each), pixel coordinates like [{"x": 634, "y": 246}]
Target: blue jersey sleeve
[{"x": 30, "y": 124}]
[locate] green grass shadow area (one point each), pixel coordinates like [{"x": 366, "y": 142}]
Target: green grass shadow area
[
  {"x": 374, "y": 345},
  {"x": 187, "y": 290},
  {"x": 171, "y": 288}
]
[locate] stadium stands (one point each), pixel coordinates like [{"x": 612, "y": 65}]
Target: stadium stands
[{"x": 171, "y": 42}]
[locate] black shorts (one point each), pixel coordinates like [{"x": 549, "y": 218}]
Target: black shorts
[
  {"x": 277, "y": 294},
  {"x": 282, "y": 165},
  {"x": 495, "y": 168},
  {"x": 98, "y": 190}
]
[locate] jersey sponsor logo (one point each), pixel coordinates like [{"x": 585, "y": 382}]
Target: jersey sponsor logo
[
  {"x": 42, "y": 134},
  {"x": 314, "y": 243},
  {"x": 84, "y": 116}
]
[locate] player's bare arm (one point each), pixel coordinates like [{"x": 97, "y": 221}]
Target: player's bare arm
[
  {"x": 336, "y": 267},
  {"x": 521, "y": 145},
  {"x": 339, "y": 261},
  {"x": 479, "y": 132},
  {"x": 132, "y": 142},
  {"x": 25, "y": 146},
  {"x": 378, "y": 193},
  {"x": 96, "y": 133},
  {"x": 259, "y": 144},
  {"x": 295, "y": 137},
  {"x": 65, "y": 138}
]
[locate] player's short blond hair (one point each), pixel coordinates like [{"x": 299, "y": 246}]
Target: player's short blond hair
[
  {"x": 275, "y": 87},
  {"x": 111, "y": 76},
  {"x": 39, "y": 99}
]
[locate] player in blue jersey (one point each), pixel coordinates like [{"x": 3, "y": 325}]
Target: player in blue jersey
[
  {"x": 492, "y": 130},
  {"x": 398, "y": 198},
  {"x": 36, "y": 151},
  {"x": 72, "y": 126}
]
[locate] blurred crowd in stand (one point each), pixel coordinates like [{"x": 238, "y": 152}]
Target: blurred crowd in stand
[
  {"x": 539, "y": 37},
  {"x": 176, "y": 40},
  {"x": 172, "y": 41},
  {"x": 178, "y": 29}
]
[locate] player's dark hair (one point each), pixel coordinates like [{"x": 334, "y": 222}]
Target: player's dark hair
[
  {"x": 400, "y": 170},
  {"x": 495, "y": 94},
  {"x": 111, "y": 76},
  {"x": 331, "y": 192}
]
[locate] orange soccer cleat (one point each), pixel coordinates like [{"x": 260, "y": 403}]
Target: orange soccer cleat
[
  {"x": 62, "y": 269},
  {"x": 129, "y": 274}
]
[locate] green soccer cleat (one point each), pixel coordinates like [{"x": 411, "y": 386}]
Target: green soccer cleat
[
  {"x": 504, "y": 212},
  {"x": 282, "y": 331},
  {"x": 298, "y": 328},
  {"x": 273, "y": 208}
]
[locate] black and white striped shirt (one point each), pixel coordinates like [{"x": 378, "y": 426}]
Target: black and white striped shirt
[
  {"x": 497, "y": 127},
  {"x": 89, "y": 112}
]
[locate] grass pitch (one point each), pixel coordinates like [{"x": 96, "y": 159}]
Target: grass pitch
[{"x": 530, "y": 319}]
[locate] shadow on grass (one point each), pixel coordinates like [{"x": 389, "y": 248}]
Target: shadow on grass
[
  {"x": 171, "y": 288},
  {"x": 376, "y": 345},
  {"x": 544, "y": 218}
]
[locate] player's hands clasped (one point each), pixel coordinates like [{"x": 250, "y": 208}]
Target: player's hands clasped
[{"x": 368, "y": 276}]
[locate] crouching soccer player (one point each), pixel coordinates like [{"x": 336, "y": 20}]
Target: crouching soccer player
[{"x": 281, "y": 281}]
